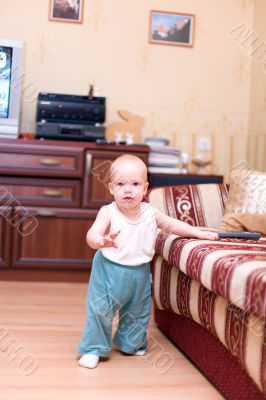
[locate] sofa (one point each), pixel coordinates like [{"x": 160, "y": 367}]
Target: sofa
[{"x": 209, "y": 296}]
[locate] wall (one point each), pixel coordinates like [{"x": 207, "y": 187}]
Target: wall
[
  {"x": 257, "y": 123},
  {"x": 184, "y": 94}
]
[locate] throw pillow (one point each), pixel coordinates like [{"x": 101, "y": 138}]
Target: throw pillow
[{"x": 245, "y": 208}]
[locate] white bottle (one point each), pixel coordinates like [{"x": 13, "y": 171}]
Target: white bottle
[
  {"x": 185, "y": 163},
  {"x": 118, "y": 137},
  {"x": 130, "y": 138}
]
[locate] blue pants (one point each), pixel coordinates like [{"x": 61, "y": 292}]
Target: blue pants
[{"x": 116, "y": 288}]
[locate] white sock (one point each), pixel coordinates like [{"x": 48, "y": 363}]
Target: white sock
[
  {"x": 141, "y": 352},
  {"x": 89, "y": 361}
]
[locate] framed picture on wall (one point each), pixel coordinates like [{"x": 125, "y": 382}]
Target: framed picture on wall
[
  {"x": 66, "y": 11},
  {"x": 171, "y": 28}
]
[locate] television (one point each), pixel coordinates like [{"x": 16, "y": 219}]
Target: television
[{"x": 11, "y": 58}]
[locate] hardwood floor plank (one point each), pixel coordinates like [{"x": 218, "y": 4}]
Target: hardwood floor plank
[{"x": 46, "y": 320}]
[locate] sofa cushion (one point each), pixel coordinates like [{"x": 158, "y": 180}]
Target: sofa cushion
[
  {"x": 245, "y": 208},
  {"x": 244, "y": 222},
  {"x": 198, "y": 205},
  {"x": 233, "y": 269}
]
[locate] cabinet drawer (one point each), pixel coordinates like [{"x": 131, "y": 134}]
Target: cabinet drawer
[
  {"x": 51, "y": 238},
  {"x": 40, "y": 192},
  {"x": 40, "y": 160}
]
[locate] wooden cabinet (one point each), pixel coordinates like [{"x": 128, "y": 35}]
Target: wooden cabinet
[
  {"x": 51, "y": 238},
  {"x": 5, "y": 236},
  {"x": 96, "y": 178},
  {"x": 50, "y": 193}
]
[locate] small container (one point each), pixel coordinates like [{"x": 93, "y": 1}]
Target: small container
[{"x": 185, "y": 163}]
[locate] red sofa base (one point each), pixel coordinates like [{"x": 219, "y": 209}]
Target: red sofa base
[{"x": 209, "y": 355}]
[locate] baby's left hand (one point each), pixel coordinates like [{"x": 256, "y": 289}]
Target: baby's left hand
[{"x": 208, "y": 235}]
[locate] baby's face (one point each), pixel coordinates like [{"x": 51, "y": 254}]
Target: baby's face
[{"x": 128, "y": 184}]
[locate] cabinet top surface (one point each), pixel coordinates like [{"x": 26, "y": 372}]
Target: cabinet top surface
[{"x": 77, "y": 144}]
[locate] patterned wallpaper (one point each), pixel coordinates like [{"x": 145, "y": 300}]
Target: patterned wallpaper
[{"x": 215, "y": 90}]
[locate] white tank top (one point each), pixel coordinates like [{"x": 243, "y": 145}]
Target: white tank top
[{"x": 136, "y": 240}]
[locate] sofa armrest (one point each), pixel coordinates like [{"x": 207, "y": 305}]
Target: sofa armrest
[
  {"x": 164, "y": 242},
  {"x": 231, "y": 268}
]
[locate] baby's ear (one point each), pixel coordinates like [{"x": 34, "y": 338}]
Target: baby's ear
[
  {"x": 111, "y": 190},
  {"x": 146, "y": 187}
]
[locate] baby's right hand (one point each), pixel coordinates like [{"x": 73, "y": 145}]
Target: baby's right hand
[{"x": 109, "y": 240}]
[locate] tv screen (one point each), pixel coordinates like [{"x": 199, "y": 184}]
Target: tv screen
[
  {"x": 5, "y": 79},
  {"x": 11, "y": 73}
]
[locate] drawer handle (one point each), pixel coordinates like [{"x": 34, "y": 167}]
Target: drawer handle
[
  {"x": 88, "y": 162},
  {"x": 50, "y": 161},
  {"x": 53, "y": 193},
  {"x": 46, "y": 213}
]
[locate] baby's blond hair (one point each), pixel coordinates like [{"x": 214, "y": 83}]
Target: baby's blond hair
[{"x": 125, "y": 158}]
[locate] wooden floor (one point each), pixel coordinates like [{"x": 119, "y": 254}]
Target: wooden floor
[{"x": 40, "y": 326}]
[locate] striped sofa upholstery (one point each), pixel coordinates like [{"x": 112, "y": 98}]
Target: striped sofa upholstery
[{"x": 209, "y": 296}]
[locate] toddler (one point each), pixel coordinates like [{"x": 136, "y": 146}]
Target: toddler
[{"x": 124, "y": 234}]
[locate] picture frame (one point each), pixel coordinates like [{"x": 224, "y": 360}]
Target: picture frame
[
  {"x": 66, "y": 11},
  {"x": 171, "y": 28}
]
